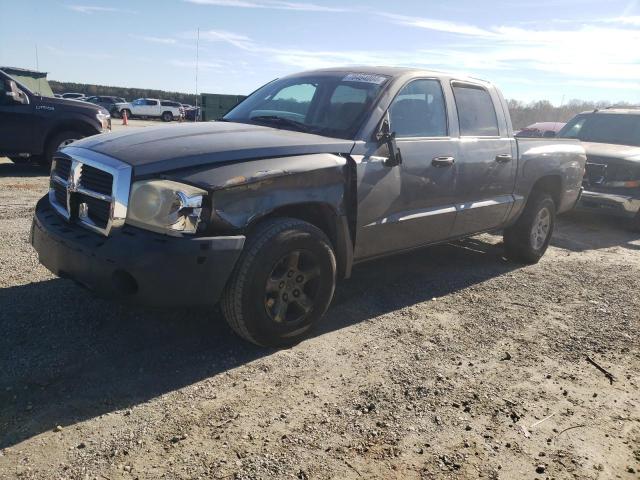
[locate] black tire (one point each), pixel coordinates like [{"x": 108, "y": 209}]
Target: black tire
[
  {"x": 167, "y": 116},
  {"x": 254, "y": 294},
  {"x": 55, "y": 142},
  {"x": 634, "y": 223},
  {"x": 129, "y": 115},
  {"x": 521, "y": 242},
  {"x": 114, "y": 113}
]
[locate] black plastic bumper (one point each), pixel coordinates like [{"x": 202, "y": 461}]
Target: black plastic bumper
[{"x": 134, "y": 265}]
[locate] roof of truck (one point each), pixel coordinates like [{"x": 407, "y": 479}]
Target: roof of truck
[
  {"x": 395, "y": 72},
  {"x": 624, "y": 109}
]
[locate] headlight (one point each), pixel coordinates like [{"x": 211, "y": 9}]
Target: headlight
[
  {"x": 104, "y": 119},
  {"x": 165, "y": 206}
]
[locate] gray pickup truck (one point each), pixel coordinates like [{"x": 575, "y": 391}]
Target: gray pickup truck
[{"x": 313, "y": 173}]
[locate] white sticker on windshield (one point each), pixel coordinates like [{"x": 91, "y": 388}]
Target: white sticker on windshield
[{"x": 364, "y": 78}]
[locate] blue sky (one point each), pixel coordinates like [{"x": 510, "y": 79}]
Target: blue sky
[{"x": 533, "y": 49}]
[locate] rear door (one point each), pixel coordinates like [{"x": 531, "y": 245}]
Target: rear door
[
  {"x": 152, "y": 108},
  {"x": 487, "y": 160},
  {"x": 411, "y": 204}
]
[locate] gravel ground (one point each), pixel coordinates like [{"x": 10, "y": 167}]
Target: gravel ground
[{"x": 449, "y": 362}]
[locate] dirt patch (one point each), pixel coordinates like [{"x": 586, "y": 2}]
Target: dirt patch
[{"x": 449, "y": 362}]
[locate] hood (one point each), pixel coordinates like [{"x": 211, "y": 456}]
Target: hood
[
  {"x": 154, "y": 150},
  {"x": 71, "y": 104},
  {"x": 609, "y": 150}
]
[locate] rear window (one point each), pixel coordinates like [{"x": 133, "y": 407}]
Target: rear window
[
  {"x": 619, "y": 129},
  {"x": 476, "y": 114}
]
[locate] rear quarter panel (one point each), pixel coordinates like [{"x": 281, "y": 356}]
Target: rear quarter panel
[{"x": 538, "y": 158}]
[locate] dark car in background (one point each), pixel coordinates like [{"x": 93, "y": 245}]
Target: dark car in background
[
  {"x": 191, "y": 113},
  {"x": 106, "y": 102},
  {"x": 611, "y": 138},
  {"x": 541, "y": 130},
  {"x": 72, "y": 96}
]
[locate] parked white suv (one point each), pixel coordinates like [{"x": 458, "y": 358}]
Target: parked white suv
[{"x": 152, "y": 107}]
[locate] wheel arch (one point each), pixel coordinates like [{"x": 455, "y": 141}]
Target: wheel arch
[
  {"x": 323, "y": 216},
  {"x": 550, "y": 184},
  {"x": 69, "y": 125}
]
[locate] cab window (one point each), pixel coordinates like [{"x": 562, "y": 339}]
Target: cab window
[
  {"x": 476, "y": 113},
  {"x": 419, "y": 110}
]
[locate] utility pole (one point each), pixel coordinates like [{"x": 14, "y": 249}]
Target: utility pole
[
  {"x": 38, "y": 69},
  {"x": 197, "y": 65}
]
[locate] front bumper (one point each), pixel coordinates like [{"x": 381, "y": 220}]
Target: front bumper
[
  {"x": 134, "y": 265},
  {"x": 611, "y": 203}
]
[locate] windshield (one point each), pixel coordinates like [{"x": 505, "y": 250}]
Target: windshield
[
  {"x": 620, "y": 129},
  {"x": 334, "y": 105}
]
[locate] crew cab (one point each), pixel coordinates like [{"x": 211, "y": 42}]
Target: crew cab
[
  {"x": 34, "y": 126},
  {"x": 310, "y": 175},
  {"x": 611, "y": 138},
  {"x": 151, "y": 107}
]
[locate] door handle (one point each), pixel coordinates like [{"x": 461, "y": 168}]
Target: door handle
[
  {"x": 504, "y": 158},
  {"x": 443, "y": 161}
]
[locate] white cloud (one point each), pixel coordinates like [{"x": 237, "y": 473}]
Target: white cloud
[
  {"x": 162, "y": 40},
  {"x": 588, "y": 51},
  {"x": 90, "y": 9},
  {"x": 438, "y": 25},
  {"x": 628, "y": 20},
  {"x": 270, "y": 4}
]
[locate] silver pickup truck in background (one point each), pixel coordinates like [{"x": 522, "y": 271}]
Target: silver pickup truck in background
[{"x": 310, "y": 175}]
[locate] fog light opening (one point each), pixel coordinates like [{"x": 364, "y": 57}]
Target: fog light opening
[{"x": 124, "y": 283}]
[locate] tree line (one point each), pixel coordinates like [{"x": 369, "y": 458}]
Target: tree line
[
  {"x": 124, "y": 92},
  {"x": 522, "y": 114}
]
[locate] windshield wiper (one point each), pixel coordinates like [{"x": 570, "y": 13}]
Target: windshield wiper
[{"x": 282, "y": 121}]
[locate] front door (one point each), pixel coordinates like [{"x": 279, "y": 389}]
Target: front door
[
  {"x": 487, "y": 162},
  {"x": 411, "y": 204},
  {"x": 16, "y": 123}
]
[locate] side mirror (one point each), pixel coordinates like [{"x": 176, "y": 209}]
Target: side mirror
[
  {"x": 17, "y": 95},
  {"x": 385, "y": 136}
]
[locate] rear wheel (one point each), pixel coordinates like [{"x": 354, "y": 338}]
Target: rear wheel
[
  {"x": 167, "y": 116},
  {"x": 529, "y": 238},
  {"x": 127, "y": 111},
  {"x": 283, "y": 283},
  {"x": 57, "y": 142}
]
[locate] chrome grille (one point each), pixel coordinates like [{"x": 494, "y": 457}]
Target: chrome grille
[
  {"x": 97, "y": 180},
  {"x": 90, "y": 189}
]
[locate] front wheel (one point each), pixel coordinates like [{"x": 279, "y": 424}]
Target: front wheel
[
  {"x": 283, "y": 283},
  {"x": 529, "y": 238},
  {"x": 167, "y": 116},
  {"x": 57, "y": 142}
]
